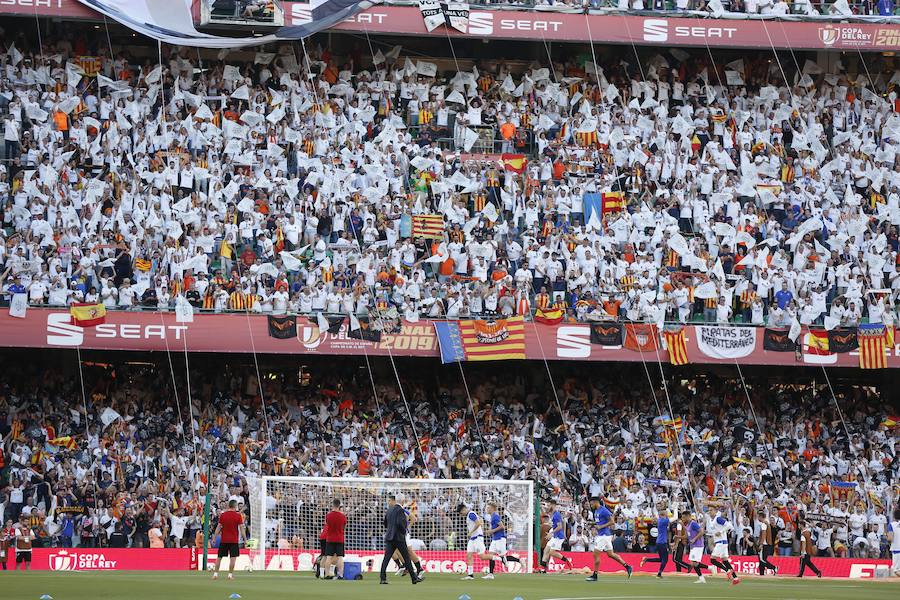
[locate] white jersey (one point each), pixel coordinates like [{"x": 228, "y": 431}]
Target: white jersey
[
  {"x": 474, "y": 525},
  {"x": 894, "y": 528},
  {"x": 720, "y": 532}
]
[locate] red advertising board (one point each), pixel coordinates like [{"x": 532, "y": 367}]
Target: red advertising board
[
  {"x": 182, "y": 559},
  {"x": 658, "y": 30},
  {"x": 455, "y": 562},
  {"x": 111, "y": 559},
  {"x": 852, "y": 568},
  {"x": 242, "y": 333}
]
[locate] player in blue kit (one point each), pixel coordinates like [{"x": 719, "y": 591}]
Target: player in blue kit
[
  {"x": 662, "y": 543},
  {"x": 475, "y": 544},
  {"x": 497, "y": 533},
  {"x": 603, "y": 537},
  {"x": 557, "y": 537}
]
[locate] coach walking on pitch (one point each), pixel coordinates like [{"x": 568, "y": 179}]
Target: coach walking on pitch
[{"x": 395, "y": 525}]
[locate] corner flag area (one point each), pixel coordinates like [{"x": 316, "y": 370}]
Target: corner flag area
[{"x": 275, "y": 586}]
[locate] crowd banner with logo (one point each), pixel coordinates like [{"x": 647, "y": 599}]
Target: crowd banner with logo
[
  {"x": 282, "y": 327},
  {"x": 726, "y": 342},
  {"x": 641, "y": 337},
  {"x": 842, "y": 340},
  {"x": 607, "y": 334},
  {"x": 476, "y": 340},
  {"x": 172, "y": 21},
  {"x": 778, "y": 340},
  {"x": 337, "y": 335},
  {"x": 432, "y": 14},
  {"x": 838, "y": 32}
]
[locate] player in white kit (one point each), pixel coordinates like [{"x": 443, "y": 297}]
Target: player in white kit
[
  {"x": 719, "y": 528},
  {"x": 475, "y": 543},
  {"x": 893, "y": 535}
]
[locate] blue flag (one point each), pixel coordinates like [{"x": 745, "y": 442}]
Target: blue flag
[{"x": 450, "y": 341}]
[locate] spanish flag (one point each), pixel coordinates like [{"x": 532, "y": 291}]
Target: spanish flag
[
  {"x": 551, "y": 316},
  {"x": 279, "y": 240},
  {"x": 87, "y": 315},
  {"x": 514, "y": 162},
  {"x": 677, "y": 347},
  {"x": 66, "y": 441},
  {"x": 890, "y": 421}
]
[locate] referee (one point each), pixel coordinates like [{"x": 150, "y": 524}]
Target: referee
[{"x": 395, "y": 526}]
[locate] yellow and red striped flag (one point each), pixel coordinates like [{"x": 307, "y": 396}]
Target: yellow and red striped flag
[
  {"x": 514, "y": 162},
  {"x": 549, "y": 316},
  {"x": 677, "y": 346},
  {"x": 428, "y": 226},
  {"x": 503, "y": 339},
  {"x": 612, "y": 202},
  {"x": 66, "y": 441},
  {"x": 873, "y": 339},
  {"x": 87, "y": 315}
]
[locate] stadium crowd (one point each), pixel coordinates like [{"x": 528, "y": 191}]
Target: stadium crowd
[
  {"x": 673, "y": 188},
  {"x": 724, "y": 192},
  {"x": 137, "y": 477}
]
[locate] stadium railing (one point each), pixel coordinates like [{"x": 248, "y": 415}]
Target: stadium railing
[{"x": 696, "y": 319}]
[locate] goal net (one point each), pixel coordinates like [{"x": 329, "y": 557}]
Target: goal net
[{"x": 288, "y": 513}]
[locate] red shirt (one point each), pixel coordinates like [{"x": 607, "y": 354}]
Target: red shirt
[
  {"x": 230, "y": 520},
  {"x": 324, "y": 534},
  {"x": 335, "y": 522}
]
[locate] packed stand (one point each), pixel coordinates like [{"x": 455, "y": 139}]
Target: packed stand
[
  {"x": 672, "y": 189},
  {"x": 137, "y": 476}
]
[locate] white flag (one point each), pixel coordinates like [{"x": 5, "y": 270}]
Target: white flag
[
  {"x": 184, "y": 312},
  {"x": 18, "y": 305},
  {"x": 795, "y": 331},
  {"x": 108, "y": 416},
  {"x": 457, "y": 14},
  {"x": 354, "y": 323},
  {"x": 290, "y": 262},
  {"x": 469, "y": 139},
  {"x": 322, "y": 322},
  {"x": 432, "y": 13}
]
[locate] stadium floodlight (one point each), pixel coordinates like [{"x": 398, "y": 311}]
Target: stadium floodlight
[{"x": 288, "y": 513}]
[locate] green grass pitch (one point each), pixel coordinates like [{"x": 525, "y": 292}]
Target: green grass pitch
[{"x": 274, "y": 586}]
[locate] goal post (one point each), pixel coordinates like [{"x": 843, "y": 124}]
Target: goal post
[{"x": 288, "y": 513}]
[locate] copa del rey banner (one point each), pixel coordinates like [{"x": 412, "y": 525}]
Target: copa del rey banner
[{"x": 112, "y": 559}]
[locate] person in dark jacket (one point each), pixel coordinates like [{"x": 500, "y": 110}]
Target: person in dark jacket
[{"x": 395, "y": 526}]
